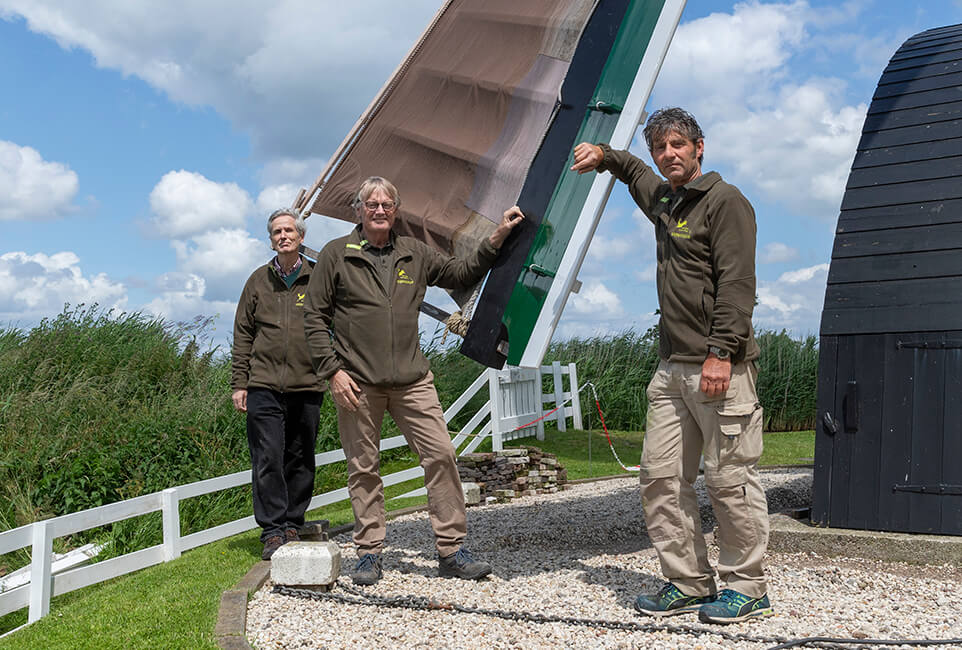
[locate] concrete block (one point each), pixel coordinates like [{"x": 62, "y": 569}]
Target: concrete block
[
  {"x": 306, "y": 564},
  {"x": 472, "y": 493}
]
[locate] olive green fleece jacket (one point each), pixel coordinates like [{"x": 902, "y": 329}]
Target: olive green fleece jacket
[
  {"x": 270, "y": 349},
  {"x": 354, "y": 323},
  {"x": 706, "y": 260}
]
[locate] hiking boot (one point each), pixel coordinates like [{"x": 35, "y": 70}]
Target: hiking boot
[
  {"x": 367, "y": 571},
  {"x": 462, "y": 565},
  {"x": 272, "y": 543},
  {"x": 669, "y": 602},
  {"x": 733, "y": 606},
  {"x": 290, "y": 535}
]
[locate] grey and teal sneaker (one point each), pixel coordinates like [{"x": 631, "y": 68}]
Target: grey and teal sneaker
[
  {"x": 733, "y": 607},
  {"x": 669, "y": 602},
  {"x": 367, "y": 571}
]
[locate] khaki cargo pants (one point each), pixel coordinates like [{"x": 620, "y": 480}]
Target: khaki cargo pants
[
  {"x": 683, "y": 423},
  {"x": 417, "y": 412}
]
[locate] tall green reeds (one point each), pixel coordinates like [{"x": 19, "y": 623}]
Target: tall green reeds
[{"x": 96, "y": 407}]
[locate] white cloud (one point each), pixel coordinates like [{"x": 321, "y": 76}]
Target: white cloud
[
  {"x": 794, "y": 301},
  {"x": 31, "y": 187},
  {"x": 33, "y": 286},
  {"x": 278, "y": 70},
  {"x": 185, "y": 204},
  {"x": 596, "y": 300},
  {"x": 223, "y": 258},
  {"x": 788, "y": 136},
  {"x": 775, "y": 252}
]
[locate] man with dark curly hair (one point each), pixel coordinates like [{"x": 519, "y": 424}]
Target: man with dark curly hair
[{"x": 702, "y": 398}]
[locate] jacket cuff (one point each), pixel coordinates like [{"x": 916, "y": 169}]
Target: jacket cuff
[{"x": 606, "y": 150}]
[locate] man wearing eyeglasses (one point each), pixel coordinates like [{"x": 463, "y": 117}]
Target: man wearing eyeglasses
[{"x": 361, "y": 322}]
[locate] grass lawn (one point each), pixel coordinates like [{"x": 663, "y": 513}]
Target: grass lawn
[{"x": 174, "y": 605}]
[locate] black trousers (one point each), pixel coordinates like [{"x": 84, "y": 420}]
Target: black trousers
[{"x": 281, "y": 433}]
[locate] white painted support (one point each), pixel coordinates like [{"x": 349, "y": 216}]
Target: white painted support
[
  {"x": 472, "y": 424},
  {"x": 216, "y": 484},
  {"x": 574, "y": 255},
  {"x": 171, "y": 518},
  {"x": 112, "y": 568},
  {"x": 41, "y": 576},
  {"x": 466, "y": 396},
  {"x": 559, "y": 396},
  {"x": 14, "y": 599},
  {"x": 494, "y": 390},
  {"x": 103, "y": 515},
  {"x": 16, "y": 539},
  {"x": 575, "y": 397}
]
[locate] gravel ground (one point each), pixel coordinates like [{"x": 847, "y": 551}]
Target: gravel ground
[{"x": 583, "y": 553}]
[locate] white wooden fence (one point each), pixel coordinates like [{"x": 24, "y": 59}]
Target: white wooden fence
[{"x": 517, "y": 400}]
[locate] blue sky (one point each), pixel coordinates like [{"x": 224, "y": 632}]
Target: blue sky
[{"x": 143, "y": 144}]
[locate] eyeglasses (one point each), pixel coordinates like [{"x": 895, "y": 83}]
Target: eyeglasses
[{"x": 372, "y": 206}]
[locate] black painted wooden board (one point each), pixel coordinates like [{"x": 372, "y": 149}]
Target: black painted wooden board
[
  {"x": 895, "y": 435},
  {"x": 925, "y": 70},
  {"x": 869, "y": 376},
  {"x": 899, "y": 216},
  {"x": 952, "y": 443},
  {"x": 926, "y": 115},
  {"x": 946, "y": 151},
  {"x": 911, "y": 170},
  {"x": 892, "y": 88},
  {"x": 921, "y": 317},
  {"x": 902, "y": 266},
  {"x": 895, "y": 194},
  {"x": 911, "y": 239},
  {"x": 927, "y": 427},
  {"x": 841, "y": 468},
  {"x": 915, "y": 61},
  {"x": 926, "y": 124},
  {"x": 822, "y": 486}
]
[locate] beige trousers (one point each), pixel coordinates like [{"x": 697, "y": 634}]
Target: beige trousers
[
  {"x": 683, "y": 424},
  {"x": 417, "y": 412}
]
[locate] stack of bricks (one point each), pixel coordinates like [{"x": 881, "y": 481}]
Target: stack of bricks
[{"x": 512, "y": 473}]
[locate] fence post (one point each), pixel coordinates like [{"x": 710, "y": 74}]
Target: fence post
[
  {"x": 41, "y": 576},
  {"x": 494, "y": 398},
  {"x": 170, "y": 507},
  {"x": 575, "y": 396},
  {"x": 559, "y": 396},
  {"x": 536, "y": 389}
]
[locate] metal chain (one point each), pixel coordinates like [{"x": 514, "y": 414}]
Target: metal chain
[{"x": 359, "y": 597}]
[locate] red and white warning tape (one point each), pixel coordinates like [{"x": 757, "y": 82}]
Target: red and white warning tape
[{"x": 633, "y": 468}]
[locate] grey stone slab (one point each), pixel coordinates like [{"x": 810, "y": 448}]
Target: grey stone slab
[{"x": 792, "y": 536}]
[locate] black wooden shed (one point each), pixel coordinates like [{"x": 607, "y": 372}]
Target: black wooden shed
[{"x": 888, "y": 445}]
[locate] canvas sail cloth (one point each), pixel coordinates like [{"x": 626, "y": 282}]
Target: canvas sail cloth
[{"x": 460, "y": 126}]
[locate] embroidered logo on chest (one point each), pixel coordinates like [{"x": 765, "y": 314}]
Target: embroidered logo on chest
[
  {"x": 402, "y": 277},
  {"x": 681, "y": 230}
]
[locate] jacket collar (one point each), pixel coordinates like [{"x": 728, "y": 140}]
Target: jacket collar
[
  {"x": 306, "y": 266},
  {"x": 354, "y": 246},
  {"x": 703, "y": 183}
]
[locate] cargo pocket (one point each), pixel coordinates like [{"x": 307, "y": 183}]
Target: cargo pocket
[{"x": 739, "y": 440}]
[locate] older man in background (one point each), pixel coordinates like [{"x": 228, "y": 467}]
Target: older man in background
[{"x": 274, "y": 382}]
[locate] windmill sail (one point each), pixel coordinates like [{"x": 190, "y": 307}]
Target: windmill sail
[{"x": 483, "y": 114}]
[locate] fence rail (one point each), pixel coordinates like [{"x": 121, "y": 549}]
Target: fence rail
[{"x": 514, "y": 397}]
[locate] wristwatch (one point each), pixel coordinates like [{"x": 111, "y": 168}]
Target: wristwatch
[{"x": 718, "y": 352}]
